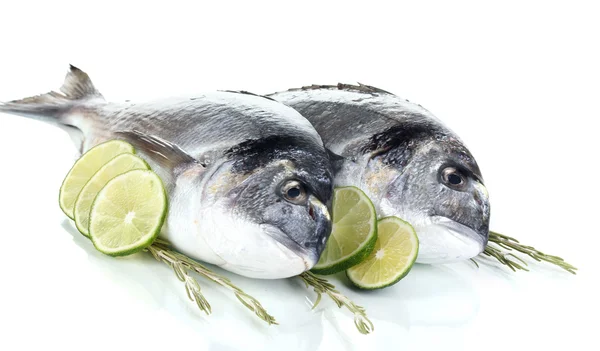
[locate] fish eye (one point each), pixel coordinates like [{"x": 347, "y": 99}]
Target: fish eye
[
  {"x": 453, "y": 178},
  {"x": 293, "y": 191}
]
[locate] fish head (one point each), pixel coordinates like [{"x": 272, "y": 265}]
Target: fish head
[
  {"x": 436, "y": 185},
  {"x": 275, "y": 210}
]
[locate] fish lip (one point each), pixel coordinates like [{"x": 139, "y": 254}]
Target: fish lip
[
  {"x": 459, "y": 230},
  {"x": 442, "y": 240},
  {"x": 307, "y": 256}
]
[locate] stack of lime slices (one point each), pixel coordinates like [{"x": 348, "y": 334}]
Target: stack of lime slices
[
  {"x": 374, "y": 253},
  {"x": 115, "y": 199}
]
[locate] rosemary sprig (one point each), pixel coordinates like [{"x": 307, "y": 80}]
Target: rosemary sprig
[
  {"x": 191, "y": 285},
  {"x": 320, "y": 285},
  {"x": 181, "y": 264},
  {"x": 515, "y": 263}
]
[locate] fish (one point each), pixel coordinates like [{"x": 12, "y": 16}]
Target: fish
[
  {"x": 406, "y": 161},
  {"x": 248, "y": 179}
]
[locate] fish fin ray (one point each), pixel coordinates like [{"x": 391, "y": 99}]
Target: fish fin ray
[
  {"x": 52, "y": 105},
  {"x": 78, "y": 85},
  {"x": 245, "y": 92},
  {"x": 360, "y": 88},
  {"x": 161, "y": 151}
]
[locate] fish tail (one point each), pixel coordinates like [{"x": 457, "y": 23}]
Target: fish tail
[{"x": 53, "y": 106}]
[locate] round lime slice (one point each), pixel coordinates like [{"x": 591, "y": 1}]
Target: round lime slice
[
  {"x": 395, "y": 252},
  {"x": 83, "y": 170},
  {"x": 117, "y": 166},
  {"x": 353, "y": 233},
  {"x": 128, "y": 213}
]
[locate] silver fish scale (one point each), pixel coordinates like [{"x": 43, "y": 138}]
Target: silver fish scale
[
  {"x": 347, "y": 117},
  {"x": 211, "y": 123}
]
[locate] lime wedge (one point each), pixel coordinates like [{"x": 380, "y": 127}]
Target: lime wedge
[
  {"x": 353, "y": 234},
  {"x": 85, "y": 168},
  {"x": 128, "y": 213},
  {"x": 118, "y": 165},
  {"x": 395, "y": 252}
]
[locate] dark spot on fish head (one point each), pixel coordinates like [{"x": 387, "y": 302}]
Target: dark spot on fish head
[
  {"x": 396, "y": 145},
  {"x": 305, "y": 156}
]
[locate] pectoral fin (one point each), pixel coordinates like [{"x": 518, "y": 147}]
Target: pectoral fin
[{"x": 160, "y": 151}]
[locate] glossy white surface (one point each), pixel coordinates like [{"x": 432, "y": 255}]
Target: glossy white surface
[{"x": 518, "y": 83}]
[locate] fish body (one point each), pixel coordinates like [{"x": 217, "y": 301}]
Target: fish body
[
  {"x": 248, "y": 178},
  {"x": 406, "y": 160}
]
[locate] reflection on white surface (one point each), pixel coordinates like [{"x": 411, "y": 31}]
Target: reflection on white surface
[
  {"x": 429, "y": 296},
  {"x": 451, "y": 300},
  {"x": 431, "y": 299}
]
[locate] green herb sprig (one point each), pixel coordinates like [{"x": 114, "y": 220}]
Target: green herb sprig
[
  {"x": 322, "y": 286},
  {"x": 499, "y": 244},
  {"x": 182, "y": 264}
]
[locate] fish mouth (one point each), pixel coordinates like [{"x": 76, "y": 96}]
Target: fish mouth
[
  {"x": 308, "y": 257},
  {"x": 270, "y": 258},
  {"x": 444, "y": 241}
]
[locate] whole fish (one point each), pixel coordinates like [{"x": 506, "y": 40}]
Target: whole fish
[
  {"x": 406, "y": 161},
  {"x": 248, "y": 178}
]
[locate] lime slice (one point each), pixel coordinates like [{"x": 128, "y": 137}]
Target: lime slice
[
  {"x": 118, "y": 165},
  {"x": 85, "y": 168},
  {"x": 394, "y": 254},
  {"x": 353, "y": 234},
  {"x": 128, "y": 213}
]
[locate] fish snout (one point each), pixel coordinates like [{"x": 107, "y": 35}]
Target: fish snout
[
  {"x": 458, "y": 229},
  {"x": 303, "y": 230},
  {"x": 482, "y": 201},
  {"x": 321, "y": 217}
]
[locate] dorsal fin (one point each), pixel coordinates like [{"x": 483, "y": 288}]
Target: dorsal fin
[
  {"x": 245, "y": 92},
  {"x": 361, "y": 88},
  {"x": 78, "y": 85}
]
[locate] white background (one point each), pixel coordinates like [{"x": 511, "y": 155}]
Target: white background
[{"x": 518, "y": 81}]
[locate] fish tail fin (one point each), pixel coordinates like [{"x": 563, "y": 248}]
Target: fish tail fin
[{"x": 53, "y": 106}]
